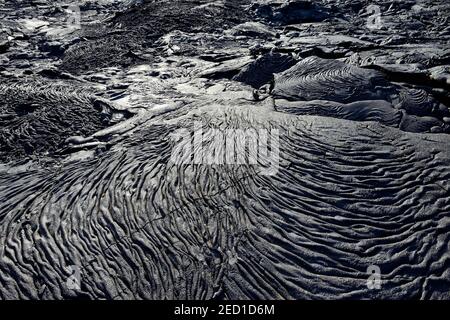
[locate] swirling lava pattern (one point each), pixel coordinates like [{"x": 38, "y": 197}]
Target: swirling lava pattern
[
  {"x": 37, "y": 116},
  {"x": 332, "y": 88},
  {"x": 372, "y": 110},
  {"x": 347, "y": 195},
  {"x": 95, "y": 203},
  {"x": 314, "y": 78}
]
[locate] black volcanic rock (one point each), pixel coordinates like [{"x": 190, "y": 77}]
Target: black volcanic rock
[
  {"x": 4, "y": 45},
  {"x": 314, "y": 78},
  {"x": 141, "y": 26},
  {"x": 291, "y": 12},
  {"x": 232, "y": 149},
  {"x": 261, "y": 71},
  {"x": 37, "y": 116}
]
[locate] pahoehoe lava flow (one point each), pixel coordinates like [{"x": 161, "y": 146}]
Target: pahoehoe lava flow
[{"x": 98, "y": 97}]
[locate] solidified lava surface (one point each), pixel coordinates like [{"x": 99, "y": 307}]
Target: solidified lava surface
[{"x": 96, "y": 97}]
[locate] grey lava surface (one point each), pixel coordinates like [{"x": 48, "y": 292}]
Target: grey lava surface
[{"x": 97, "y": 96}]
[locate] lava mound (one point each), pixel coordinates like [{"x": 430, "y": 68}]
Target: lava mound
[{"x": 327, "y": 87}]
